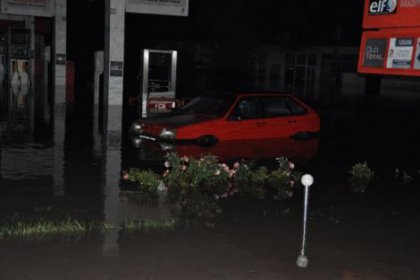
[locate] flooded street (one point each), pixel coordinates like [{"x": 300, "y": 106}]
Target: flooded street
[{"x": 373, "y": 235}]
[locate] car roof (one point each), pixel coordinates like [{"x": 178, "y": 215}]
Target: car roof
[{"x": 245, "y": 93}]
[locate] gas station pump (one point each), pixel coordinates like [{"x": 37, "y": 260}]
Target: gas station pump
[
  {"x": 159, "y": 82},
  {"x": 19, "y": 81}
]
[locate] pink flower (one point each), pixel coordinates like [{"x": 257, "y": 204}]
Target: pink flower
[
  {"x": 225, "y": 167},
  {"x": 184, "y": 167},
  {"x": 166, "y": 173},
  {"x": 291, "y": 165},
  {"x": 224, "y": 195},
  {"x": 185, "y": 159},
  {"x": 236, "y": 165},
  {"x": 126, "y": 176},
  {"x": 167, "y": 164},
  {"x": 217, "y": 172},
  {"x": 292, "y": 183}
]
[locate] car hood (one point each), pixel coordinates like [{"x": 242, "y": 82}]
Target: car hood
[{"x": 176, "y": 120}]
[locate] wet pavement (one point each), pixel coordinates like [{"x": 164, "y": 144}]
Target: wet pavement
[{"x": 371, "y": 236}]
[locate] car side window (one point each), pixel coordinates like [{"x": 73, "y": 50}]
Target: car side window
[
  {"x": 276, "y": 107},
  {"x": 247, "y": 108},
  {"x": 295, "y": 107}
]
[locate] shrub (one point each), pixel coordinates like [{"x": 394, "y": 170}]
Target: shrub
[{"x": 360, "y": 176}]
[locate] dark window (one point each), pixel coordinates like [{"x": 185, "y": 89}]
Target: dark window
[
  {"x": 210, "y": 105},
  {"x": 248, "y": 108},
  {"x": 295, "y": 107},
  {"x": 275, "y": 107}
]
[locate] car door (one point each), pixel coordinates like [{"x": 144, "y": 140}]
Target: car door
[
  {"x": 246, "y": 120},
  {"x": 279, "y": 121}
]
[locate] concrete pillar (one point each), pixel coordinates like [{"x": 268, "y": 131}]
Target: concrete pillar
[
  {"x": 318, "y": 70},
  {"x": 30, "y": 24},
  {"x": 59, "y": 78},
  {"x": 112, "y": 118},
  {"x": 114, "y": 65}
]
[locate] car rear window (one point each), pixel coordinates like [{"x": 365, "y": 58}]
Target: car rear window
[
  {"x": 295, "y": 107},
  {"x": 275, "y": 107},
  {"x": 282, "y": 106},
  {"x": 209, "y": 105}
]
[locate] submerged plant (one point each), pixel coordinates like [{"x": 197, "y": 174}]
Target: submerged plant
[
  {"x": 193, "y": 187},
  {"x": 360, "y": 176},
  {"x": 250, "y": 180},
  {"x": 284, "y": 179},
  {"x": 146, "y": 180}
]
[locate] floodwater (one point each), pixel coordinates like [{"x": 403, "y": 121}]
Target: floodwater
[{"x": 373, "y": 235}]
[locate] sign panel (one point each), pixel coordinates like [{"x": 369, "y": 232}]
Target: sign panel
[
  {"x": 38, "y": 8},
  {"x": 417, "y": 56},
  {"x": 116, "y": 69},
  {"x": 391, "y": 13},
  {"x": 390, "y": 52},
  {"x": 400, "y": 53},
  {"x": 374, "y": 55},
  {"x": 158, "y": 7}
]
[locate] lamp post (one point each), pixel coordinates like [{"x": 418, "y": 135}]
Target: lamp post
[{"x": 307, "y": 180}]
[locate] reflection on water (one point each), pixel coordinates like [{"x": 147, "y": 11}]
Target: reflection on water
[
  {"x": 22, "y": 162},
  {"x": 300, "y": 150}
]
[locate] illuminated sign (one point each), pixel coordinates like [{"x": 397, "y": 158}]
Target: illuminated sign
[
  {"x": 391, "y": 14},
  {"x": 390, "y": 52},
  {"x": 381, "y": 7},
  {"x": 158, "y": 7},
  {"x": 417, "y": 56},
  {"x": 400, "y": 53},
  {"x": 41, "y": 8},
  {"x": 374, "y": 55}
]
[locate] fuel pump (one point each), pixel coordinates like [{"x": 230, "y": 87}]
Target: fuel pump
[
  {"x": 19, "y": 83},
  {"x": 158, "y": 81}
]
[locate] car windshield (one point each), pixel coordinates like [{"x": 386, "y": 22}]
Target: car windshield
[{"x": 209, "y": 105}]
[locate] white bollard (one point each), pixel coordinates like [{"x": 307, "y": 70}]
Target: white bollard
[{"x": 307, "y": 180}]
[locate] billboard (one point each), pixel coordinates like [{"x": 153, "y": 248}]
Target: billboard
[
  {"x": 158, "y": 7},
  {"x": 39, "y": 8},
  {"x": 391, "y": 13},
  {"x": 390, "y": 52}
]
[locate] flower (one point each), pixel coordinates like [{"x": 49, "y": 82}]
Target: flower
[
  {"x": 125, "y": 175},
  {"x": 291, "y": 165},
  {"x": 166, "y": 173},
  {"x": 217, "y": 172},
  {"x": 236, "y": 165},
  {"x": 167, "y": 164},
  {"x": 185, "y": 159}
]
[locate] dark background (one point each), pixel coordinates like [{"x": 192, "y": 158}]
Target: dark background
[{"x": 232, "y": 28}]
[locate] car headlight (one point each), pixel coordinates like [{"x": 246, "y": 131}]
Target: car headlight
[
  {"x": 136, "y": 142},
  {"x": 168, "y": 134},
  {"x": 136, "y": 127}
]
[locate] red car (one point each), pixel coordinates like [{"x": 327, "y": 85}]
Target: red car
[{"x": 211, "y": 118}]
